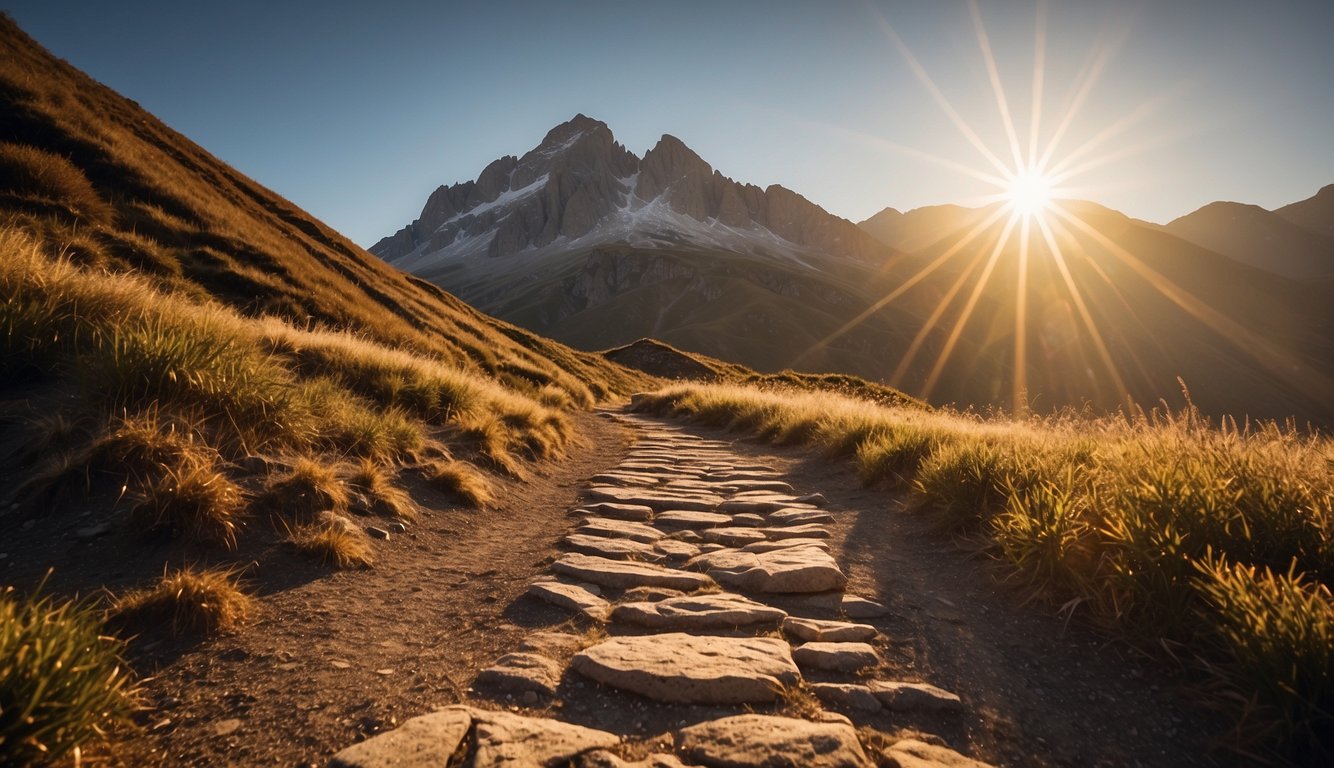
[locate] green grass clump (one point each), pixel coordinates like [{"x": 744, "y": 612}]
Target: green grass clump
[
  {"x": 61, "y": 679},
  {"x": 1276, "y": 632},
  {"x": 185, "y": 602}
]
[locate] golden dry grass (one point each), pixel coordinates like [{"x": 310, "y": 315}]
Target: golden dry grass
[
  {"x": 333, "y": 544},
  {"x": 1159, "y": 528},
  {"x": 185, "y": 602},
  {"x": 460, "y": 480}
]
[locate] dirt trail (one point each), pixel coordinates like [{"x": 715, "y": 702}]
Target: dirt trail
[
  {"x": 336, "y": 659},
  {"x": 1031, "y": 691}
]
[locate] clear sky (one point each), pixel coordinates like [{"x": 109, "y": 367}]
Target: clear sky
[{"x": 357, "y": 110}]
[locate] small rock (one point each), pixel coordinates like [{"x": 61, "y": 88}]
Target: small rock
[
  {"x": 828, "y": 631},
  {"x": 835, "y": 657},
  {"x": 920, "y": 696},
  {"x": 529, "y": 698},
  {"x": 337, "y": 664},
  {"x": 860, "y": 608},
  {"x": 398, "y": 528},
  {"x": 377, "y": 533},
  {"x": 224, "y": 727},
  {"x": 761, "y": 741},
  {"x": 427, "y": 740},
  {"x": 572, "y": 597},
  {"x": 848, "y": 696},
  {"x": 911, "y": 753}
]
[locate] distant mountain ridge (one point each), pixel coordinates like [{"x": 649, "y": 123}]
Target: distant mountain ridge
[
  {"x": 1290, "y": 244},
  {"x": 580, "y": 188},
  {"x": 580, "y": 240}
]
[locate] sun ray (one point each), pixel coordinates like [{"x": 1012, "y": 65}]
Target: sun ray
[
  {"x": 1099, "y": 345},
  {"x": 967, "y": 312},
  {"x": 1250, "y": 343},
  {"x": 1101, "y": 56},
  {"x": 929, "y": 325},
  {"x": 1039, "y": 73},
  {"x": 984, "y": 44},
  {"x": 1115, "y": 129},
  {"x": 1019, "y": 390},
  {"x": 925, "y": 79},
  {"x": 903, "y": 288}
]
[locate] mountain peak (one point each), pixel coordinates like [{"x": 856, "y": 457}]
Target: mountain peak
[{"x": 568, "y": 131}]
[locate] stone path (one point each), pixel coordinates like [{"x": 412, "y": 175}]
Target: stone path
[{"x": 704, "y": 579}]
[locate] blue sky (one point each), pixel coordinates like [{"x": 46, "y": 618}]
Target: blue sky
[{"x": 356, "y": 111}]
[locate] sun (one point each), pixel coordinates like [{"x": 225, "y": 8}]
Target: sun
[{"x": 1029, "y": 193}]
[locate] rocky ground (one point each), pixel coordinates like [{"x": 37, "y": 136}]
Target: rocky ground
[
  {"x": 646, "y": 588},
  {"x": 715, "y": 606}
]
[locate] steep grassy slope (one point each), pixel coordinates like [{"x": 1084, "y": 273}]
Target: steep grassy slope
[
  {"x": 100, "y": 179},
  {"x": 197, "y": 378}
]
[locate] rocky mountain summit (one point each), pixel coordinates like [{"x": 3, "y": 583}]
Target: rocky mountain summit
[{"x": 579, "y": 188}]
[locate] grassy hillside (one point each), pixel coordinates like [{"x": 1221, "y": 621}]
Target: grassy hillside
[
  {"x": 1209, "y": 546},
  {"x": 196, "y": 377}
]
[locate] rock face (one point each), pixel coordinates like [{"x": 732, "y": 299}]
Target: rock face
[
  {"x": 765, "y": 741},
  {"x": 579, "y": 180},
  {"x": 691, "y": 669}
]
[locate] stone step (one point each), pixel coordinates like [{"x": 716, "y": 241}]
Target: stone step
[
  {"x": 690, "y": 669},
  {"x": 620, "y": 574},
  {"x": 722, "y": 610}
]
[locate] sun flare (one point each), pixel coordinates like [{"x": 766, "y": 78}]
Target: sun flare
[{"x": 1029, "y": 193}]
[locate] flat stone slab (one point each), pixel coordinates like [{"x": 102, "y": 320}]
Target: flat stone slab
[
  {"x": 422, "y": 742},
  {"x": 676, "y": 549},
  {"x": 660, "y": 501},
  {"x": 770, "y": 546},
  {"x": 749, "y": 520},
  {"x": 791, "y": 516},
  {"x": 757, "y": 484},
  {"x": 761, "y": 505},
  {"x": 615, "y": 549},
  {"x": 520, "y": 672},
  {"x": 911, "y": 753},
  {"x": 623, "y": 478},
  {"x": 860, "y": 608},
  {"x": 733, "y": 536},
  {"x": 846, "y": 696},
  {"x": 835, "y": 657},
  {"x": 616, "y": 511},
  {"x": 680, "y": 518},
  {"x": 819, "y": 630},
  {"x": 807, "y": 531},
  {"x": 619, "y": 529},
  {"x": 571, "y": 597},
  {"x": 915, "y": 696},
  {"x": 695, "y": 612},
  {"x": 690, "y": 669},
  {"x": 768, "y": 741},
  {"x": 793, "y": 570},
  {"x": 601, "y": 759},
  {"x": 623, "y": 575},
  {"x": 507, "y": 739}
]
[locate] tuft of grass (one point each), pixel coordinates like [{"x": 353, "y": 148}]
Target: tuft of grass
[
  {"x": 33, "y": 174},
  {"x": 332, "y": 544},
  {"x": 192, "y": 499},
  {"x": 383, "y": 496},
  {"x": 460, "y": 480},
  {"x": 185, "y": 602},
  {"x": 1276, "y": 631},
  {"x": 310, "y": 487},
  {"x": 62, "y": 682}
]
